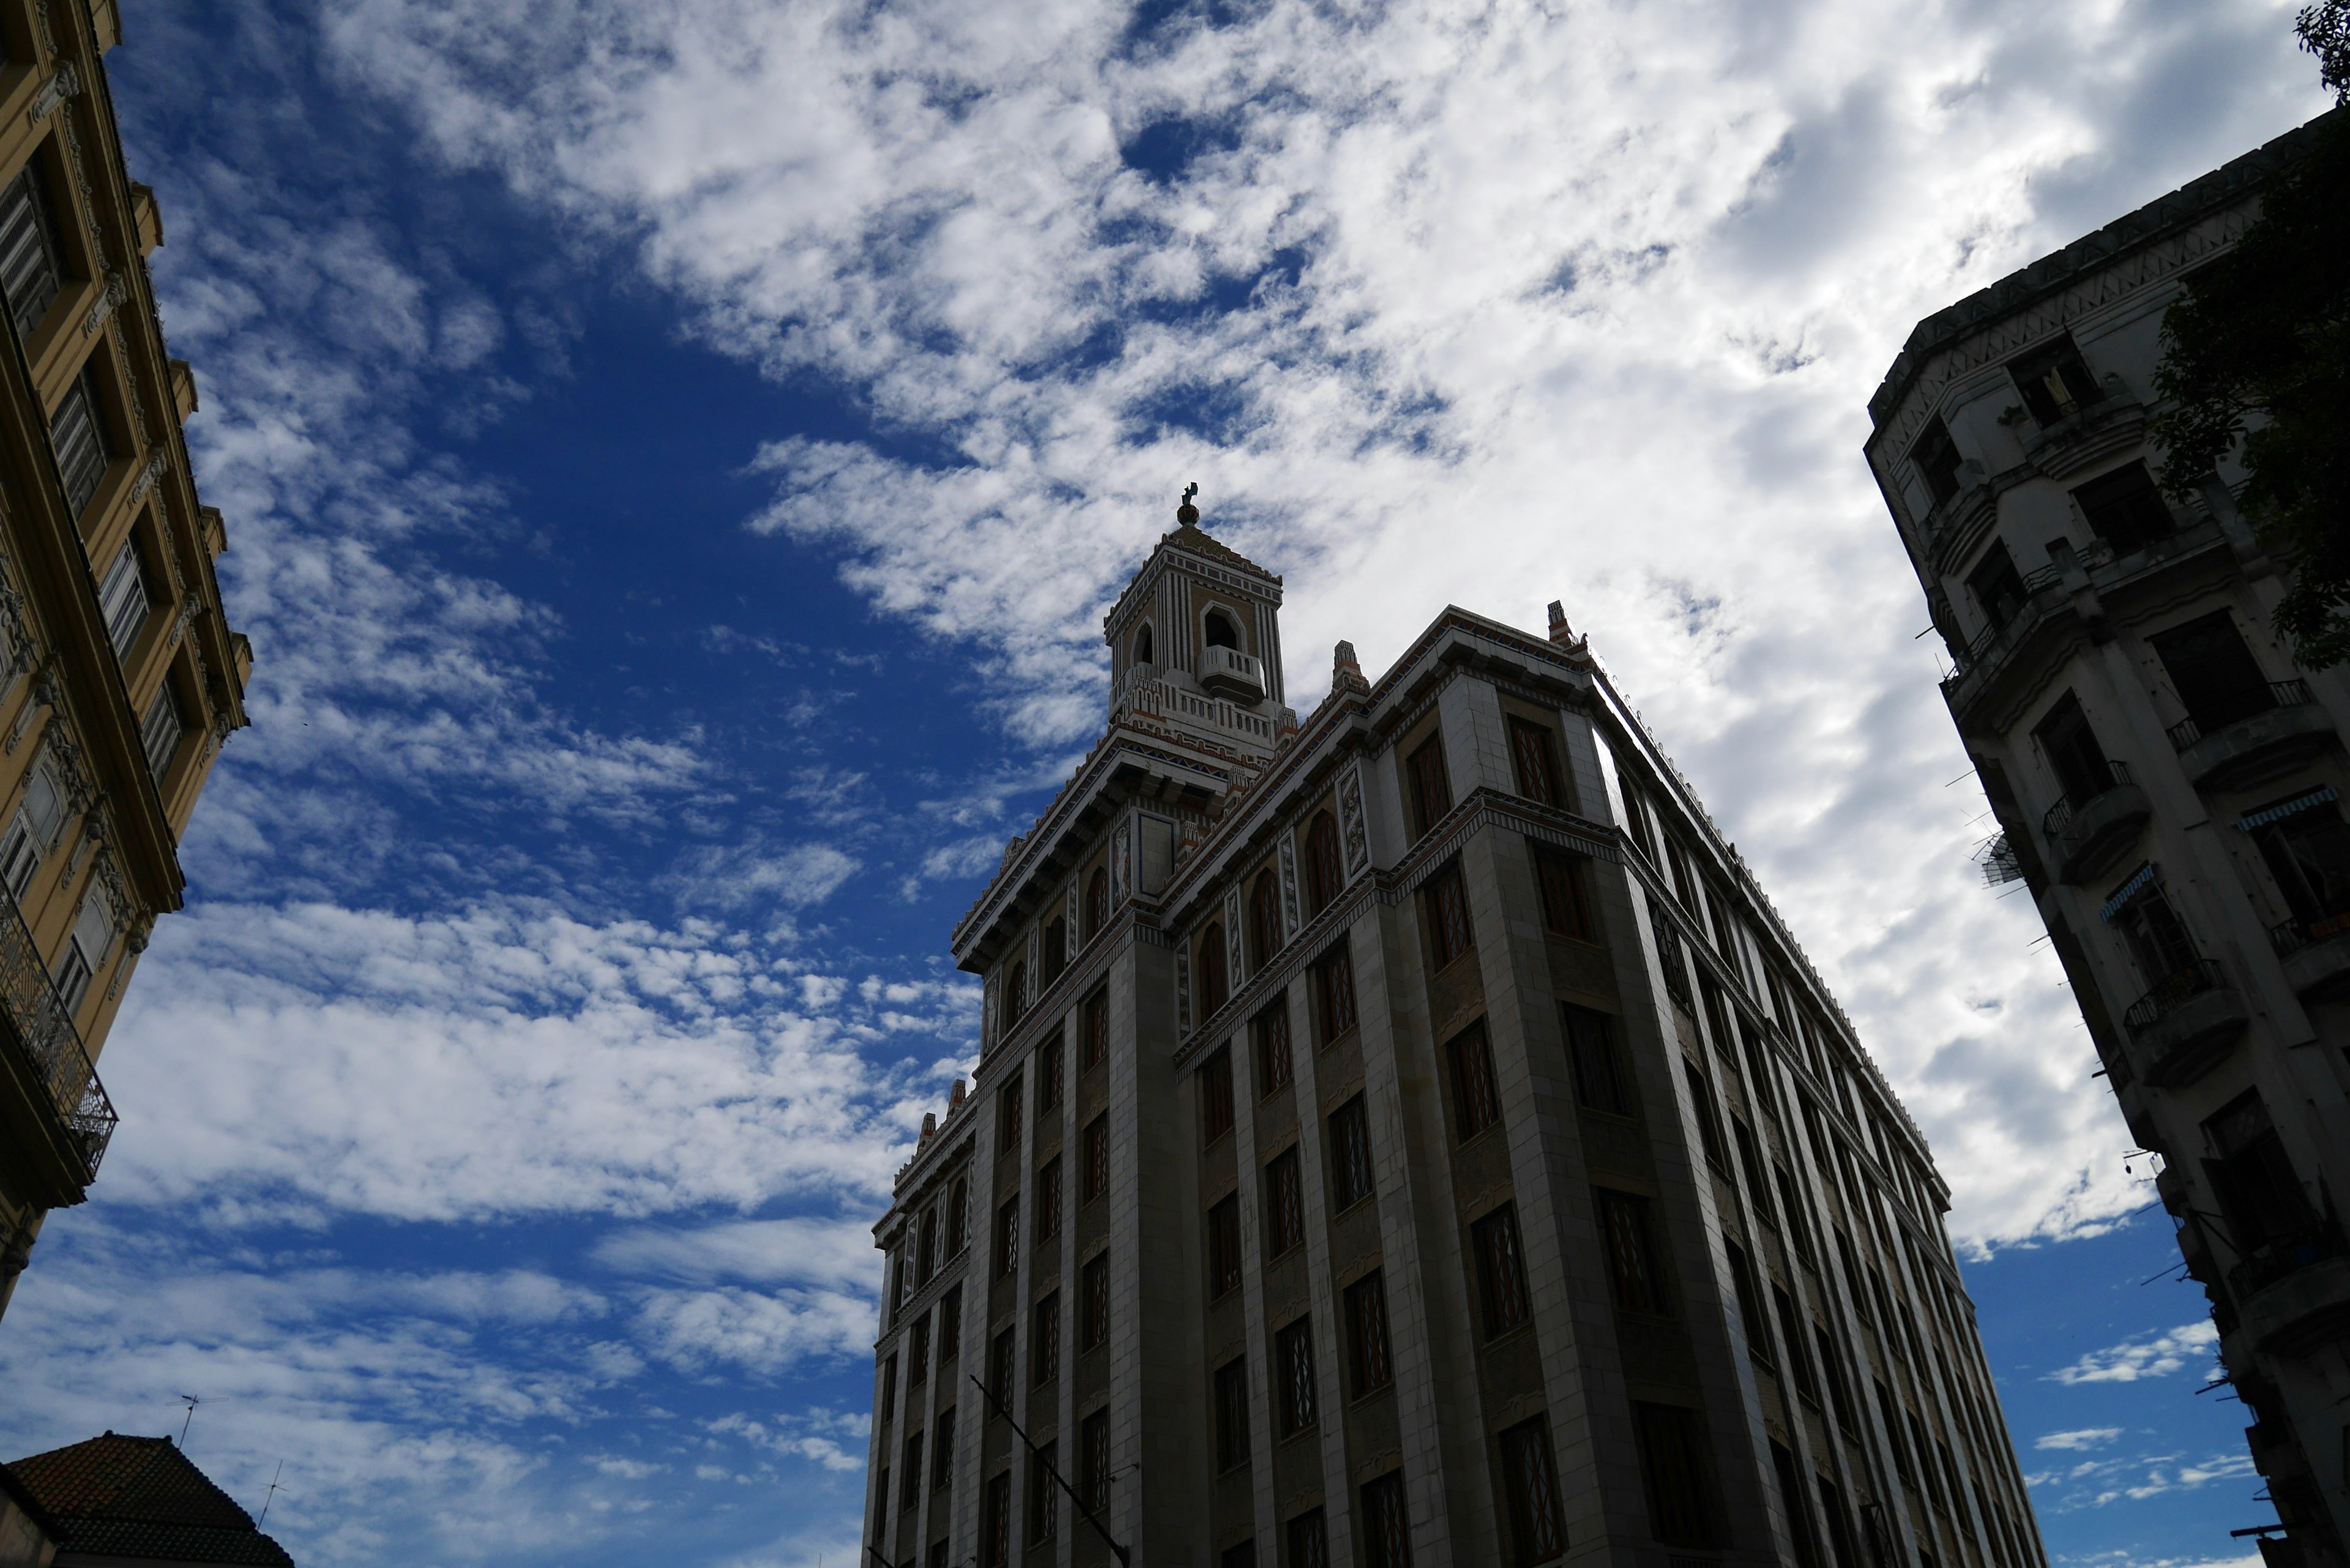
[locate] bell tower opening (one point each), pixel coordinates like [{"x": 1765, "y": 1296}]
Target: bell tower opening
[
  {"x": 1220, "y": 631},
  {"x": 1142, "y": 645}
]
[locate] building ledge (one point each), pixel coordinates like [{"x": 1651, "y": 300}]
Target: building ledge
[
  {"x": 2088, "y": 838},
  {"x": 2185, "y": 1026},
  {"x": 2307, "y": 1307},
  {"x": 2115, "y": 423},
  {"x": 2295, "y": 729}
]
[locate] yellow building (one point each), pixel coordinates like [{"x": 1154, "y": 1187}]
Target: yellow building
[{"x": 120, "y": 677}]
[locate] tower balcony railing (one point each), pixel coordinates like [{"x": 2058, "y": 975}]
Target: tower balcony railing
[
  {"x": 2280, "y": 694},
  {"x": 1165, "y": 700},
  {"x": 1229, "y": 672},
  {"x": 39, "y": 1028}
]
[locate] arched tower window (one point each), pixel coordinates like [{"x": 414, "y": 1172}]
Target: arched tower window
[
  {"x": 1264, "y": 921},
  {"x": 1096, "y": 903},
  {"x": 1142, "y": 644},
  {"x": 1324, "y": 873},
  {"x": 1220, "y": 631},
  {"x": 1215, "y": 983}
]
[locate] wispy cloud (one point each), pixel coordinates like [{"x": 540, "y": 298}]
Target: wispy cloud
[{"x": 2152, "y": 1355}]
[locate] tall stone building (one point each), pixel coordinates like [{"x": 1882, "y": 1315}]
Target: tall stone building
[
  {"x": 1411, "y": 1138},
  {"x": 2168, "y": 779},
  {"x": 119, "y": 675}
]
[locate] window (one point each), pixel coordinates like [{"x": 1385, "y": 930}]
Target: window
[
  {"x": 2158, "y": 940},
  {"x": 958, "y": 1218},
  {"x": 1749, "y": 1307},
  {"x": 1530, "y": 1474},
  {"x": 950, "y": 1325},
  {"x": 1430, "y": 789},
  {"x": 1092, "y": 1302},
  {"x": 1095, "y": 1044},
  {"x": 1937, "y": 461},
  {"x": 1387, "y": 1529},
  {"x": 2074, "y": 753},
  {"x": 122, "y": 599},
  {"x": 1215, "y": 982},
  {"x": 1501, "y": 1270},
  {"x": 1008, "y": 1116},
  {"x": 1558, "y": 879},
  {"x": 2260, "y": 1194},
  {"x": 1093, "y": 1460},
  {"x": 1326, "y": 873},
  {"x": 1272, "y": 1032},
  {"x": 1449, "y": 934},
  {"x": 1997, "y": 585},
  {"x": 1241, "y": 1556},
  {"x": 1350, "y": 1156},
  {"x": 1749, "y": 1155},
  {"x": 1839, "y": 1524},
  {"x": 1924, "y": 1447},
  {"x": 2124, "y": 509},
  {"x": 1057, "y": 952},
  {"x": 889, "y": 1389},
  {"x": 917, "y": 1351},
  {"x": 1045, "y": 1341},
  {"x": 32, "y": 832},
  {"x": 1591, "y": 1049},
  {"x": 943, "y": 1451},
  {"x": 1309, "y": 1541},
  {"x": 1636, "y": 815},
  {"x": 1096, "y": 1146},
  {"x": 1096, "y": 901},
  {"x": 1015, "y": 994},
  {"x": 2215, "y": 675},
  {"x": 1225, "y": 1247},
  {"x": 78, "y": 435},
  {"x": 1293, "y": 1365},
  {"x": 910, "y": 1472},
  {"x": 1142, "y": 648},
  {"x": 158, "y": 732},
  {"x": 1534, "y": 756},
  {"x": 1001, "y": 1357},
  {"x": 1832, "y": 1370},
  {"x": 1231, "y": 1414},
  {"x": 1893, "y": 1433},
  {"x": 2054, "y": 381},
  {"x": 882, "y": 1499},
  {"x": 1797, "y": 1231},
  {"x": 1218, "y": 631},
  {"x": 926, "y": 1249},
  {"x": 1048, "y": 1200},
  {"x": 1669, "y": 955},
  {"x": 1215, "y": 1078},
  {"x": 2308, "y": 852},
  {"x": 1798, "y": 1507},
  {"x": 1007, "y": 1236},
  {"x": 1263, "y": 921},
  {"x": 1709, "y": 1124},
  {"x": 1368, "y": 1366},
  {"x": 30, "y": 266},
  {"x": 1476, "y": 1105},
  {"x": 1632, "y": 1271},
  {"x": 1334, "y": 994},
  {"x": 995, "y": 1523},
  {"x": 1044, "y": 1507},
  {"x": 1048, "y": 1075},
  {"x": 1675, "y": 1471},
  {"x": 1284, "y": 1204},
  {"x": 1799, "y": 1357}
]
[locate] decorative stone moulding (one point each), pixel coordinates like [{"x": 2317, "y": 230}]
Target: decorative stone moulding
[
  {"x": 2276, "y": 739},
  {"x": 2116, "y": 423}
]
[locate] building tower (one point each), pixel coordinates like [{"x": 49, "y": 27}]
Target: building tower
[
  {"x": 1411, "y": 1138},
  {"x": 120, "y": 677},
  {"x": 2167, "y": 779}
]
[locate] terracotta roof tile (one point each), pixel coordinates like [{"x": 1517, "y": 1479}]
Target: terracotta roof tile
[{"x": 139, "y": 1497}]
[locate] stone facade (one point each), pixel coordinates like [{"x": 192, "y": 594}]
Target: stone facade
[
  {"x": 2167, "y": 779},
  {"x": 1411, "y": 1136}
]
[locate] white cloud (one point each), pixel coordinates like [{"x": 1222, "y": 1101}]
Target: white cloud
[
  {"x": 2155, "y": 1355},
  {"x": 759, "y": 1331},
  {"x": 832, "y": 1252},
  {"x": 2086, "y": 1438}
]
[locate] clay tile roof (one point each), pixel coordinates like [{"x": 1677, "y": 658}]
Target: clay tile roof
[
  {"x": 1190, "y": 537},
  {"x": 138, "y": 1497}
]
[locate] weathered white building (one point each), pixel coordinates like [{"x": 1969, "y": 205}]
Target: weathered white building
[{"x": 2168, "y": 779}]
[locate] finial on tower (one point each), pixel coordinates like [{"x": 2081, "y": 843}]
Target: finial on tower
[{"x": 1188, "y": 516}]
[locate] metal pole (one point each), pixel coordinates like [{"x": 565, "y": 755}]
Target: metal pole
[{"x": 1124, "y": 1556}]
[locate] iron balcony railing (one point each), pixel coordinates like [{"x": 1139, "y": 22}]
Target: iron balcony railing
[
  {"x": 2290, "y": 937},
  {"x": 2202, "y": 975},
  {"x": 2279, "y": 1256},
  {"x": 2061, "y": 813},
  {"x": 39, "y": 1026},
  {"x": 2281, "y": 694}
]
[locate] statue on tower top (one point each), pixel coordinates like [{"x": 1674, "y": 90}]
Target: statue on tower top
[{"x": 1188, "y": 516}]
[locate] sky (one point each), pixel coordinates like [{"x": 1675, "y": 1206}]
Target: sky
[{"x": 676, "y": 458}]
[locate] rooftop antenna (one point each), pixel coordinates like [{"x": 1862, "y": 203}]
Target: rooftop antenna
[
  {"x": 272, "y": 1496},
  {"x": 191, "y": 1402}
]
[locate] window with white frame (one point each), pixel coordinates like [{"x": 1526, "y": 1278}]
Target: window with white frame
[
  {"x": 122, "y": 598},
  {"x": 32, "y": 832},
  {"x": 160, "y": 732},
  {"x": 85, "y": 949}
]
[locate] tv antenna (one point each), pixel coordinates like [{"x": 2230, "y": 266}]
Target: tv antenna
[
  {"x": 191, "y": 1402},
  {"x": 271, "y": 1498}
]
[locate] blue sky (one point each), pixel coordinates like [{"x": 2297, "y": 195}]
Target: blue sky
[{"x": 676, "y": 458}]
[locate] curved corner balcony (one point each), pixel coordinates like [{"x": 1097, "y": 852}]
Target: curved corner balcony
[
  {"x": 1229, "y": 673},
  {"x": 2294, "y": 1290},
  {"x": 2086, "y": 835},
  {"x": 54, "y": 1105},
  {"x": 2315, "y": 954},
  {"x": 2187, "y": 1025},
  {"x": 2289, "y": 728}
]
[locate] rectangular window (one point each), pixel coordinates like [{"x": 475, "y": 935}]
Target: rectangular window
[
  {"x": 1448, "y": 932},
  {"x": 1095, "y": 1044},
  {"x": 910, "y": 1473},
  {"x": 1476, "y": 1102},
  {"x": 1241, "y": 1556},
  {"x": 2054, "y": 381},
  {"x": 1048, "y": 1200},
  {"x": 1309, "y": 1541},
  {"x": 29, "y": 266},
  {"x": 1839, "y": 1391},
  {"x": 995, "y": 1523},
  {"x": 950, "y": 1325},
  {"x": 943, "y": 1452},
  {"x": 123, "y": 600},
  {"x": 1537, "y": 1525},
  {"x": 1043, "y": 1502},
  {"x": 1007, "y": 1236},
  {"x": 1386, "y": 1528},
  {"x": 889, "y": 1389},
  {"x": 1997, "y": 586},
  {"x": 881, "y": 1500},
  {"x": 1368, "y": 1365},
  {"x": 160, "y": 732},
  {"x": 1231, "y": 1414},
  {"x": 1676, "y": 1474},
  {"x": 1048, "y": 1075},
  {"x": 1045, "y": 1341},
  {"x": 1559, "y": 878},
  {"x": 1749, "y": 1307},
  {"x": 1271, "y": 1031},
  {"x": 1350, "y": 1156},
  {"x": 1501, "y": 1270},
  {"x": 1799, "y": 1359},
  {"x": 33, "y": 832},
  {"x": 78, "y": 435},
  {"x": 1225, "y": 1247},
  {"x": 1093, "y": 1460},
  {"x": 1893, "y": 1433},
  {"x": 1797, "y": 1231},
  {"x": 1839, "y": 1524},
  {"x": 1937, "y": 461},
  {"x": 1284, "y": 1204},
  {"x": 1924, "y": 1449},
  {"x": 1632, "y": 1270},
  {"x": 1215, "y": 1079},
  {"x": 1293, "y": 1365},
  {"x": 1008, "y": 1116},
  {"x": 1798, "y": 1507},
  {"x": 2124, "y": 509},
  {"x": 1431, "y": 786},
  {"x": 1096, "y": 1145},
  {"x": 1709, "y": 1125},
  {"x": 1534, "y": 755},
  {"x": 917, "y": 1351},
  {"x": 958, "y": 1218},
  {"x": 1093, "y": 1302},
  {"x": 2215, "y": 675},
  {"x": 1591, "y": 1047},
  {"x": 1334, "y": 994},
  {"x": 1001, "y": 1360},
  {"x": 1758, "y": 1189}
]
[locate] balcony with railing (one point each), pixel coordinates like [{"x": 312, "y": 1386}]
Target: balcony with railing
[
  {"x": 2085, "y": 834},
  {"x": 64, "y": 1113},
  {"x": 2292, "y": 1290},
  {"x": 1988, "y": 652},
  {"x": 2316, "y": 952},
  {"x": 1227, "y": 672},
  {"x": 2268, "y": 727},
  {"x": 2186, "y": 1025}
]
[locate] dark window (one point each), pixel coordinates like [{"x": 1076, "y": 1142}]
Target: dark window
[
  {"x": 1215, "y": 980},
  {"x": 1839, "y": 1524},
  {"x": 995, "y": 1523},
  {"x": 1893, "y": 1433},
  {"x": 1048, "y": 1200},
  {"x": 1758, "y": 1188},
  {"x": 1534, "y": 756},
  {"x": 1049, "y": 1074},
  {"x": 2074, "y": 753},
  {"x": 1325, "y": 872},
  {"x": 1219, "y": 632},
  {"x": 1309, "y": 1541},
  {"x": 2308, "y": 852},
  {"x": 1096, "y": 903},
  {"x": 1056, "y": 951},
  {"x": 943, "y": 1451},
  {"x": 2215, "y": 675},
  {"x": 2157, "y": 939},
  {"x": 79, "y": 433},
  {"x": 1386, "y": 1528},
  {"x": 2124, "y": 509},
  {"x": 1273, "y": 1047},
  {"x": 1798, "y": 1507},
  {"x": 1007, "y": 1236},
  {"x": 1142, "y": 644},
  {"x": 1225, "y": 1247},
  {"x": 950, "y": 1325},
  {"x": 1008, "y": 1115},
  {"x": 1263, "y": 921},
  {"x": 30, "y": 268},
  {"x": 1043, "y": 1506},
  {"x": 1284, "y": 1204},
  {"x": 889, "y": 1389},
  {"x": 910, "y": 1472},
  {"x": 1799, "y": 1356},
  {"x": 1449, "y": 934},
  {"x": 1501, "y": 1270},
  {"x": 1093, "y": 1460},
  {"x": 1334, "y": 994},
  {"x": 1997, "y": 585},
  {"x": 1093, "y": 1302},
  {"x": 1924, "y": 1447},
  {"x": 1935, "y": 457},
  {"x": 1476, "y": 1102},
  {"x": 917, "y": 1351},
  {"x": 926, "y": 1254},
  {"x": 959, "y": 1219},
  {"x": 1350, "y": 1154},
  {"x": 1293, "y": 1365},
  {"x": 1231, "y": 1414},
  {"x": 2054, "y": 381},
  {"x": 1241, "y": 1556},
  {"x": 1798, "y": 1232},
  {"x": 1632, "y": 1269},
  {"x": 1749, "y": 1307},
  {"x": 881, "y": 1500},
  {"x": 1097, "y": 1156},
  {"x": 1094, "y": 1044},
  {"x": 1215, "y": 1076},
  {"x": 1669, "y": 955},
  {"x": 1368, "y": 1366},
  {"x": 1001, "y": 1356},
  {"x": 1708, "y": 1120},
  {"x": 1430, "y": 788},
  {"x": 1839, "y": 1391},
  {"x": 2260, "y": 1193},
  {"x": 1676, "y": 1473},
  {"x": 1590, "y": 1043},
  {"x": 1558, "y": 879},
  {"x": 1045, "y": 1341},
  {"x": 1531, "y": 1474}
]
